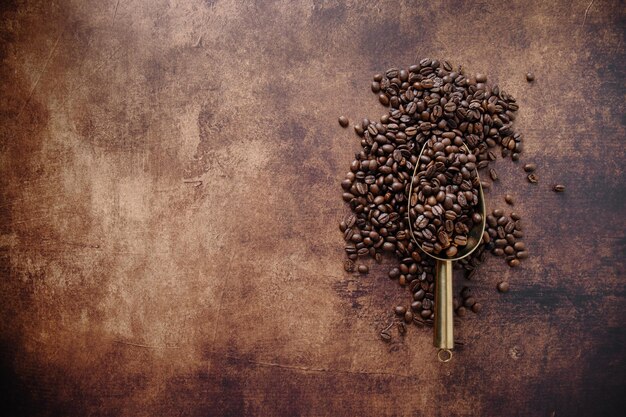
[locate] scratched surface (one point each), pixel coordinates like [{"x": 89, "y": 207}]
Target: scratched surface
[{"x": 169, "y": 192}]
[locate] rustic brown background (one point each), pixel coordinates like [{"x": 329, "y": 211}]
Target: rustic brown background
[{"x": 169, "y": 178}]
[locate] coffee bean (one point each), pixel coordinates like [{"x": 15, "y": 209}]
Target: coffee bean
[
  {"x": 384, "y": 100},
  {"x": 408, "y": 316},
  {"x": 400, "y": 310},
  {"x": 477, "y": 308},
  {"x": 363, "y": 269},
  {"x": 493, "y": 174},
  {"x": 530, "y": 167},
  {"x": 509, "y": 199},
  {"x": 385, "y": 336},
  {"x": 514, "y": 262},
  {"x": 461, "y": 311},
  {"x": 530, "y": 77},
  {"x": 559, "y": 188},
  {"x": 533, "y": 179},
  {"x": 503, "y": 286},
  {"x": 469, "y": 302},
  {"x": 401, "y": 328},
  {"x": 343, "y": 121}
]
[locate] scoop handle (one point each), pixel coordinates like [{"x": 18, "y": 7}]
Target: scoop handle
[{"x": 444, "y": 332}]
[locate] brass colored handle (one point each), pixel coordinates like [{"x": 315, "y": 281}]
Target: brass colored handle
[{"x": 444, "y": 332}]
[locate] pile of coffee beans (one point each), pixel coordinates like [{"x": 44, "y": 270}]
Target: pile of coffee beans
[
  {"x": 445, "y": 196},
  {"x": 467, "y": 122}
]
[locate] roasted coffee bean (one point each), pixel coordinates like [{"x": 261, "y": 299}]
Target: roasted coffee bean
[
  {"x": 408, "y": 316},
  {"x": 493, "y": 174},
  {"x": 419, "y": 294},
  {"x": 509, "y": 199},
  {"x": 530, "y": 167},
  {"x": 385, "y": 336},
  {"x": 363, "y": 269},
  {"x": 343, "y": 121},
  {"x": 400, "y": 310},
  {"x": 533, "y": 179},
  {"x": 401, "y": 328},
  {"x": 530, "y": 77},
  {"x": 477, "y": 308},
  {"x": 469, "y": 302},
  {"x": 558, "y": 188},
  {"x": 514, "y": 262},
  {"x": 503, "y": 286}
]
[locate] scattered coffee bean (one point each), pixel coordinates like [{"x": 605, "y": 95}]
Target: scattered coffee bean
[
  {"x": 503, "y": 286},
  {"x": 530, "y": 167},
  {"x": 363, "y": 269},
  {"x": 533, "y": 179},
  {"x": 477, "y": 308},
  {"x": 469, "y": 302},
  {"x": 530, "y": 77},
  {"x": 408, "y": 316},
  {"x": 385, "y": 336},
  {"x": 559, "y": 188},
  {"x": 493, "y": 174},
  {"x": 400, "y": 310},
  {"x": 343, "y": 121},
  {"x": 509, "y": 199}
]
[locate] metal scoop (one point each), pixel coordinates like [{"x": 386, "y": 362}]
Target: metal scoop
[{"x": 444, "y": 319}]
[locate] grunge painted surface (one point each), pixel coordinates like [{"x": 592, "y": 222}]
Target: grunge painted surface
[{"x": 169, "y": 200}]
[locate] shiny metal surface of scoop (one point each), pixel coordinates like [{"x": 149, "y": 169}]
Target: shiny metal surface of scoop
[{"x": 444, "y": 315}]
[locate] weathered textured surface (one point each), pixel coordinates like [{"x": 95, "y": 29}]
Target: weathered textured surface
[{"x": 169, "y": 178}]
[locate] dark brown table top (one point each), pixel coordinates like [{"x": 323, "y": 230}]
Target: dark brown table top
[{"x": 169, "y": 183}]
